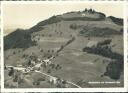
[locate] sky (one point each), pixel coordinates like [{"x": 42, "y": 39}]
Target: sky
[{"x": 27, "y": 15}]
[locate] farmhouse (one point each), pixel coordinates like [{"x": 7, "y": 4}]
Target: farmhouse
[
  {"x": 33, "y": 63},
  {"x": 83, "y": 14},
  {"x": 37, "y": 67},
  {"x": 47, "y": 61},
  {"x": 53, "y": 80},
  {"x": 92, "y": 44}
]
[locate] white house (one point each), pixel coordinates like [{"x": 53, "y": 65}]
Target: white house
[
  {"x": 92, "y": 44},
  {"x": 47, "y": 61},
  {"x": 39, "y": 60},
  {"x": 83, "y": 15},
  {"x": 53, "y": 80},
  {"x": 33, "y": 63},
  {"x": 37, "y": 67}
]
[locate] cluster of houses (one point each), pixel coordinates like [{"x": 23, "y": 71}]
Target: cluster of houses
[
  {"x": 58, "y": 82},
  {"x": 36, "y": 65},
  {"x": 37, "y": 62}
]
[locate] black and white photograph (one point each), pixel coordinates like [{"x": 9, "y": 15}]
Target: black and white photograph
[{"x": 51, "y": 45}]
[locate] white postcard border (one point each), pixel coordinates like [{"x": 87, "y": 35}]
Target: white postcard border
[{"x": 124, "y": 89}]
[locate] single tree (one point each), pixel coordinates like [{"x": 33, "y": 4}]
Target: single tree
[{"x": 11, "y": 72}]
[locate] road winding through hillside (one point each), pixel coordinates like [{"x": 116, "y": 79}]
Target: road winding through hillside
[
  {"x": 55, "y": 77},
  {"x": 21, "y": 68}
]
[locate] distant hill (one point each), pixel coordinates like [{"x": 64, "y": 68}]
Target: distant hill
[
  {"x": 22, "y": 38},
  {"x": 18, "y": 39},
  {"x": 89, "y": 15}
]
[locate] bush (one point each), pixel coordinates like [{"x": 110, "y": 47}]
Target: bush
[
  {"x": 73, "y": 26},
  {"x": 11, "y": 72},
  {"x": 114, "y": 69},
  {"x": 105, "y": 42},
  {"x": 49, "y": 71},
  {"x": 41, "y": 79}
]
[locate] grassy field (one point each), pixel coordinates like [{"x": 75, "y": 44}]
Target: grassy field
[{"x": 77, "y": 66}]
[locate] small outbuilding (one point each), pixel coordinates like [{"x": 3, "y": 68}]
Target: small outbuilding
[{"x": 91, "y": 44}]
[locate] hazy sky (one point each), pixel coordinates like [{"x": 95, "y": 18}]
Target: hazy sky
[{"x": 27, "y": 15}]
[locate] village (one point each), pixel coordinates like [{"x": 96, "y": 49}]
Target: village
[
  {"x": 35, "y": 67},
  {"x": 35, "y": 64}
]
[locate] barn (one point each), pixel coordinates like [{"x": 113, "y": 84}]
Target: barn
[{"x": 91, "y": 44}]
